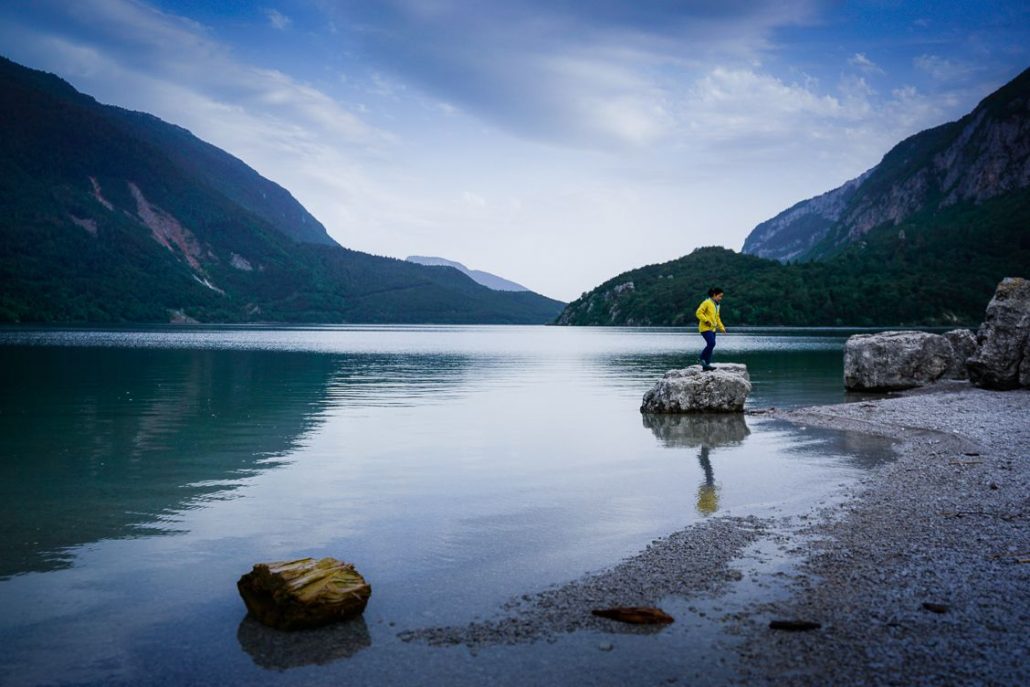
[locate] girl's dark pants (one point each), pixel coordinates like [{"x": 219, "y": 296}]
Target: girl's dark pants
[{"x": 706, "y": 355}]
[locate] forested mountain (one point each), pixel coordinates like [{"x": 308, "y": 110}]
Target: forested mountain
[
  {"x": 108, "y": 215},
  {"x": 921, "y": 239},
  {"x": 983, "y": 155}
]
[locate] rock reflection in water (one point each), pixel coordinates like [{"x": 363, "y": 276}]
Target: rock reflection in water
[
  {"x": 704, "y": 432},
  {"x": 276, "y": 650},
  {"x": 700, "y": 429}
]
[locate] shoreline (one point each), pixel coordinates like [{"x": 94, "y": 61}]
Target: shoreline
[{"x": 944, "y": 523}]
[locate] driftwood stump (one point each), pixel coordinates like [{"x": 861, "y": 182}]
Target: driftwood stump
[
  {"x": 636, "y": 615},
  {"x": 305, "y": 593}
]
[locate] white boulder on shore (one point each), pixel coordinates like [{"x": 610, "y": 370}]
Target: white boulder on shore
[
  {"x": 692, "y": 390},
  {"x": 1002, "y": 356},
  {"x": 895, "y": 360}
]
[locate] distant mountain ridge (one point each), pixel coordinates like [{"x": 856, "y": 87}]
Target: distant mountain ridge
[
  {"x": 108, "y": 215},
  {"x": 490, "y": 281},
  {"x": 983, "y": 155}
]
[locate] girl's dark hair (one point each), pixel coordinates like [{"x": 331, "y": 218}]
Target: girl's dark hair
[{"x": 715, "y": 291}]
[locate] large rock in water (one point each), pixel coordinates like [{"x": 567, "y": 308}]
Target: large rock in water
[
  {"x": 1002, "y": 358},
  {"x": 889, "y": 361},
  {"x": 692, "y": 390},
  {"x": 305, "y": 593}
]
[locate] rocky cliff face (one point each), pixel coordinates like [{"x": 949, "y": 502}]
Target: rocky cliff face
[
  {"x": 984, "y": 155},
  {"x": 795, "y": 231}
]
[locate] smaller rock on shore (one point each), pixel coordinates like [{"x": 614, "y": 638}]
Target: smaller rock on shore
[
  {"x": 895, "y": 360},
  {"x": 692, "y": 390}
]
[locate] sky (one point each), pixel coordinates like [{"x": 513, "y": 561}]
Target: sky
[{"x": 556, "y": 143}]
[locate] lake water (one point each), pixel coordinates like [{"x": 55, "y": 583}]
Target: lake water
[{"x": 143, "y": 471}]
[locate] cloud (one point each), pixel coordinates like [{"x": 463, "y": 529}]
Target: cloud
[
  {"x": 863, "y": 63},
  {"x": 137, "y": 39},
  {"x": 857, "y": 97},
  {"x": 743, "y": 105},
  {"x": 732, "y": 117},
  {"x": 942, "y": 69},
  {"x": 277, "y": 19},
  {"x": 473, "y": 200},
  {"x": 595, "y": 75}
]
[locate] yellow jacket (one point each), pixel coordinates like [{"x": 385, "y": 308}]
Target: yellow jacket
[{"x": 708, "y": 316}]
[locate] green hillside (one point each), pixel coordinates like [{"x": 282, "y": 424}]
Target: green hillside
[{"x": 113, "y": 216}]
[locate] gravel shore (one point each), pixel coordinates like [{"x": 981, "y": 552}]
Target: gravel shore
[
  {"x": 946, "y": 525},
  {"x": 691, "y": 562},
  {"x": 920, "y": 575}
]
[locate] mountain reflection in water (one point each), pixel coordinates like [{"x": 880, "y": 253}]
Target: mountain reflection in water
[{"x": 103, "y": 443}]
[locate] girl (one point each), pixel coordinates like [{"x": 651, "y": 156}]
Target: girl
[{"x": 708, "y": 323}]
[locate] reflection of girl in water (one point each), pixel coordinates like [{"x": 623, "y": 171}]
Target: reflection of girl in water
[
  {"x": 707, "y": 498},
  {"x": 700, "y": 432}
]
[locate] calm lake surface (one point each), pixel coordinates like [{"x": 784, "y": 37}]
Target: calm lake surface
[{"x": 143, "y": 471}]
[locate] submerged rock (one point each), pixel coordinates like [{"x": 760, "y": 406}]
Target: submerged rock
[
  {"x": 895, "y": 360},
  {"x": 305, "y": 593},
  {"x": 692, "y": 390},
  {"x": 1002, "y": 357}
]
